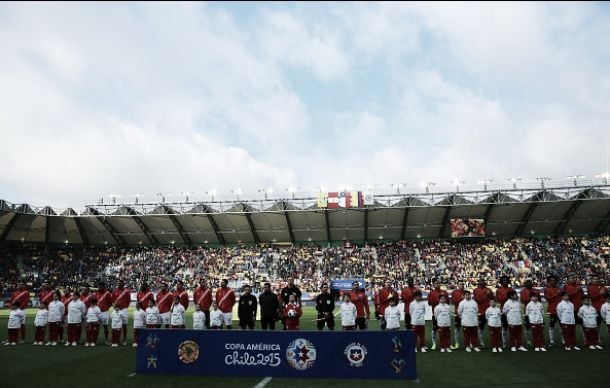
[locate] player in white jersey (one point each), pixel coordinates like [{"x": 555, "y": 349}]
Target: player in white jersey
[
  {"x": 348, "y": 313},
  {"x": 535, "y": 313},
  {"x": 40, "y": 323},
  {"x": 442, "y": 312},
  {"x": 468, "y": 311},
  {"x": 139, "y": 320},
  {"x": 512, "y": 310},
  {"x": 176, "y": 319},
  {"x": 116, "y": 323},
  {"x": 566, "y": 316},
  {"x": 94, "y": 317},
  {"x": 56, "y": 315},
  {"x": 493, "y": 315},
  {"x": 76, "y": 315},
  {"x": 392, "y": 315},
  {"x": 417, "y": 310},
  {"x": 16, "y": 318},
  {"x": 588, "y": 314},
  {"x": 153, "y": 319},
  {"x": 198, "y": 318},
  {"x": 216, "y": 317}
]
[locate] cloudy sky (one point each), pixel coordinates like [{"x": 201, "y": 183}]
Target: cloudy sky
[{"x": 133, "y": 98}]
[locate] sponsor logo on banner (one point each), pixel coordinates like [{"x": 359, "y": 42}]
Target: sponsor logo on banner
[
  {"x": 151, "y": 362},
  {"x": 188, "y": 352},
  {"x": 398, "y": 365},
  {"x": 301, "y": 354},
  {"x": 152, "y": 341},
  {"x": 356, "y": 354},
  {"x": 397, "y": 344}
]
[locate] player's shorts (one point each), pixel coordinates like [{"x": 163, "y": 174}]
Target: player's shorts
[
  {"x": 124, "y": 313},
  {"x": 104, "y": 318},
  {"x": 165, "y": 318},
  {"x": 227, "y": 318}
]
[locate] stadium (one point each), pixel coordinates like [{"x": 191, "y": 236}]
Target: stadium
[{"x": 258, "y": 234}]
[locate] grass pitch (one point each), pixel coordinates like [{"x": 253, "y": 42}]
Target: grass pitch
[{"x": 43, "y": 366}]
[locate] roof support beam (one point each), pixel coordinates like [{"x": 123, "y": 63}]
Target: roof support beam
[
  {"x": 185, "y": 237},
  {"x": 441, "y": 233},
  {"x": 599, "y": 229},
  {"x": 366, "y": 224},
  {"x": 405, "y": 219},
  {"x": 7, "y": 228},
  {"x": 151, "y": 238},
  {"x": 526, "y": 219},
  {"x": 327, "y": 225},
  {"x": 219, "y": 236},
  {"x": 47, "y": 222},
  {"x": 288, "y": 223},
  {"x": 252, "y": 229},
  {"x": 567, "y": 217},
  {"x": 81, "y": 231},
  {"x": 109, "y": 228}
]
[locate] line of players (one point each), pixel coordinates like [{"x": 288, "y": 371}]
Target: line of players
[
  {"x": 501, "y": 312},
  {"x": 472, "y": 311},
  {"x": 74, "y": 311}
]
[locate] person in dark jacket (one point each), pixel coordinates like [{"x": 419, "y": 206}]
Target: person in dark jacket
[
  {"x": 247, "y": 309},
  {"x": 270, "y": 306},
  {"x": 325, "y": 305}
]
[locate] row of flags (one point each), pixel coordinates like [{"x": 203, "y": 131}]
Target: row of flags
[{"x": 345, "y": 199}]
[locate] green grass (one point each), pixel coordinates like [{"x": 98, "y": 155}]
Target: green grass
[{"x": 40, "y": 366}]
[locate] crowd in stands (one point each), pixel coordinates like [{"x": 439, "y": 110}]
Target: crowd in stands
[{"x": 447, "y": 261}]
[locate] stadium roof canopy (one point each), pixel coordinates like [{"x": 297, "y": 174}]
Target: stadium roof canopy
[{"x": 508, "y": 213}]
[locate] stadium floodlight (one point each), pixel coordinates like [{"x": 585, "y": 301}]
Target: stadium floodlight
[
  {"x": 397, "y": 186},
  {"x": 186, "y": 194},
  {"x": 163, "y": 195},
  {"x": 457, "y": 183},
  {"x": 484, "y": 182},
  {"x": 213, "y": 193},
  {"x": 237, "y": 192},
  {"x": 514, "y": 182},
  {"x": 265, "y": 191},
  {"x": 114, "y": 197},
  {"x": 543, "y": 179},
  {"x": 292, "y": 190},
  {"x": 575, "y": 178},
  {"x": 137, "y": 197},
  {"x": 427, "y": 186},
  {"x": 604, "y": 176}
]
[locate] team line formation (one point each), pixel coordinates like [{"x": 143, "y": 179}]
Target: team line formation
[{"x": 505, "y": 313}]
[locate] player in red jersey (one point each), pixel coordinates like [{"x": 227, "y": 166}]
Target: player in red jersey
[
  {"x": 526, "y": 296},
  {"x": 22, "y": 296},
  {"x": 359, "y": 299},
  {"x": 225, "y": 297},
  {"x": 203, "y": 298},
  {"x": 482, "y": 295},
  {"x": 383, "y": 302},
  {"x": 145, "y": 295},
  {"x": 598, "y": 295},
  {"x": 407, "y": 297},
  {"x": 182, "y": 295},
  {"x": 502, "y": 297},
  {"x": 121, "y": 298},
  {"x": 104, "y": 302},
  {"x": 165, "y": 299},
  {"x": 86, "y": 296},
  {"x": 292, "y": 311},
  {"x": 433, "y": 300},
  {"x": 576, "y": 294},
  {"x": 456, "y": 297},
  {"x": 46, "y": 293},
  {"x": 552, "y": 294}
]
